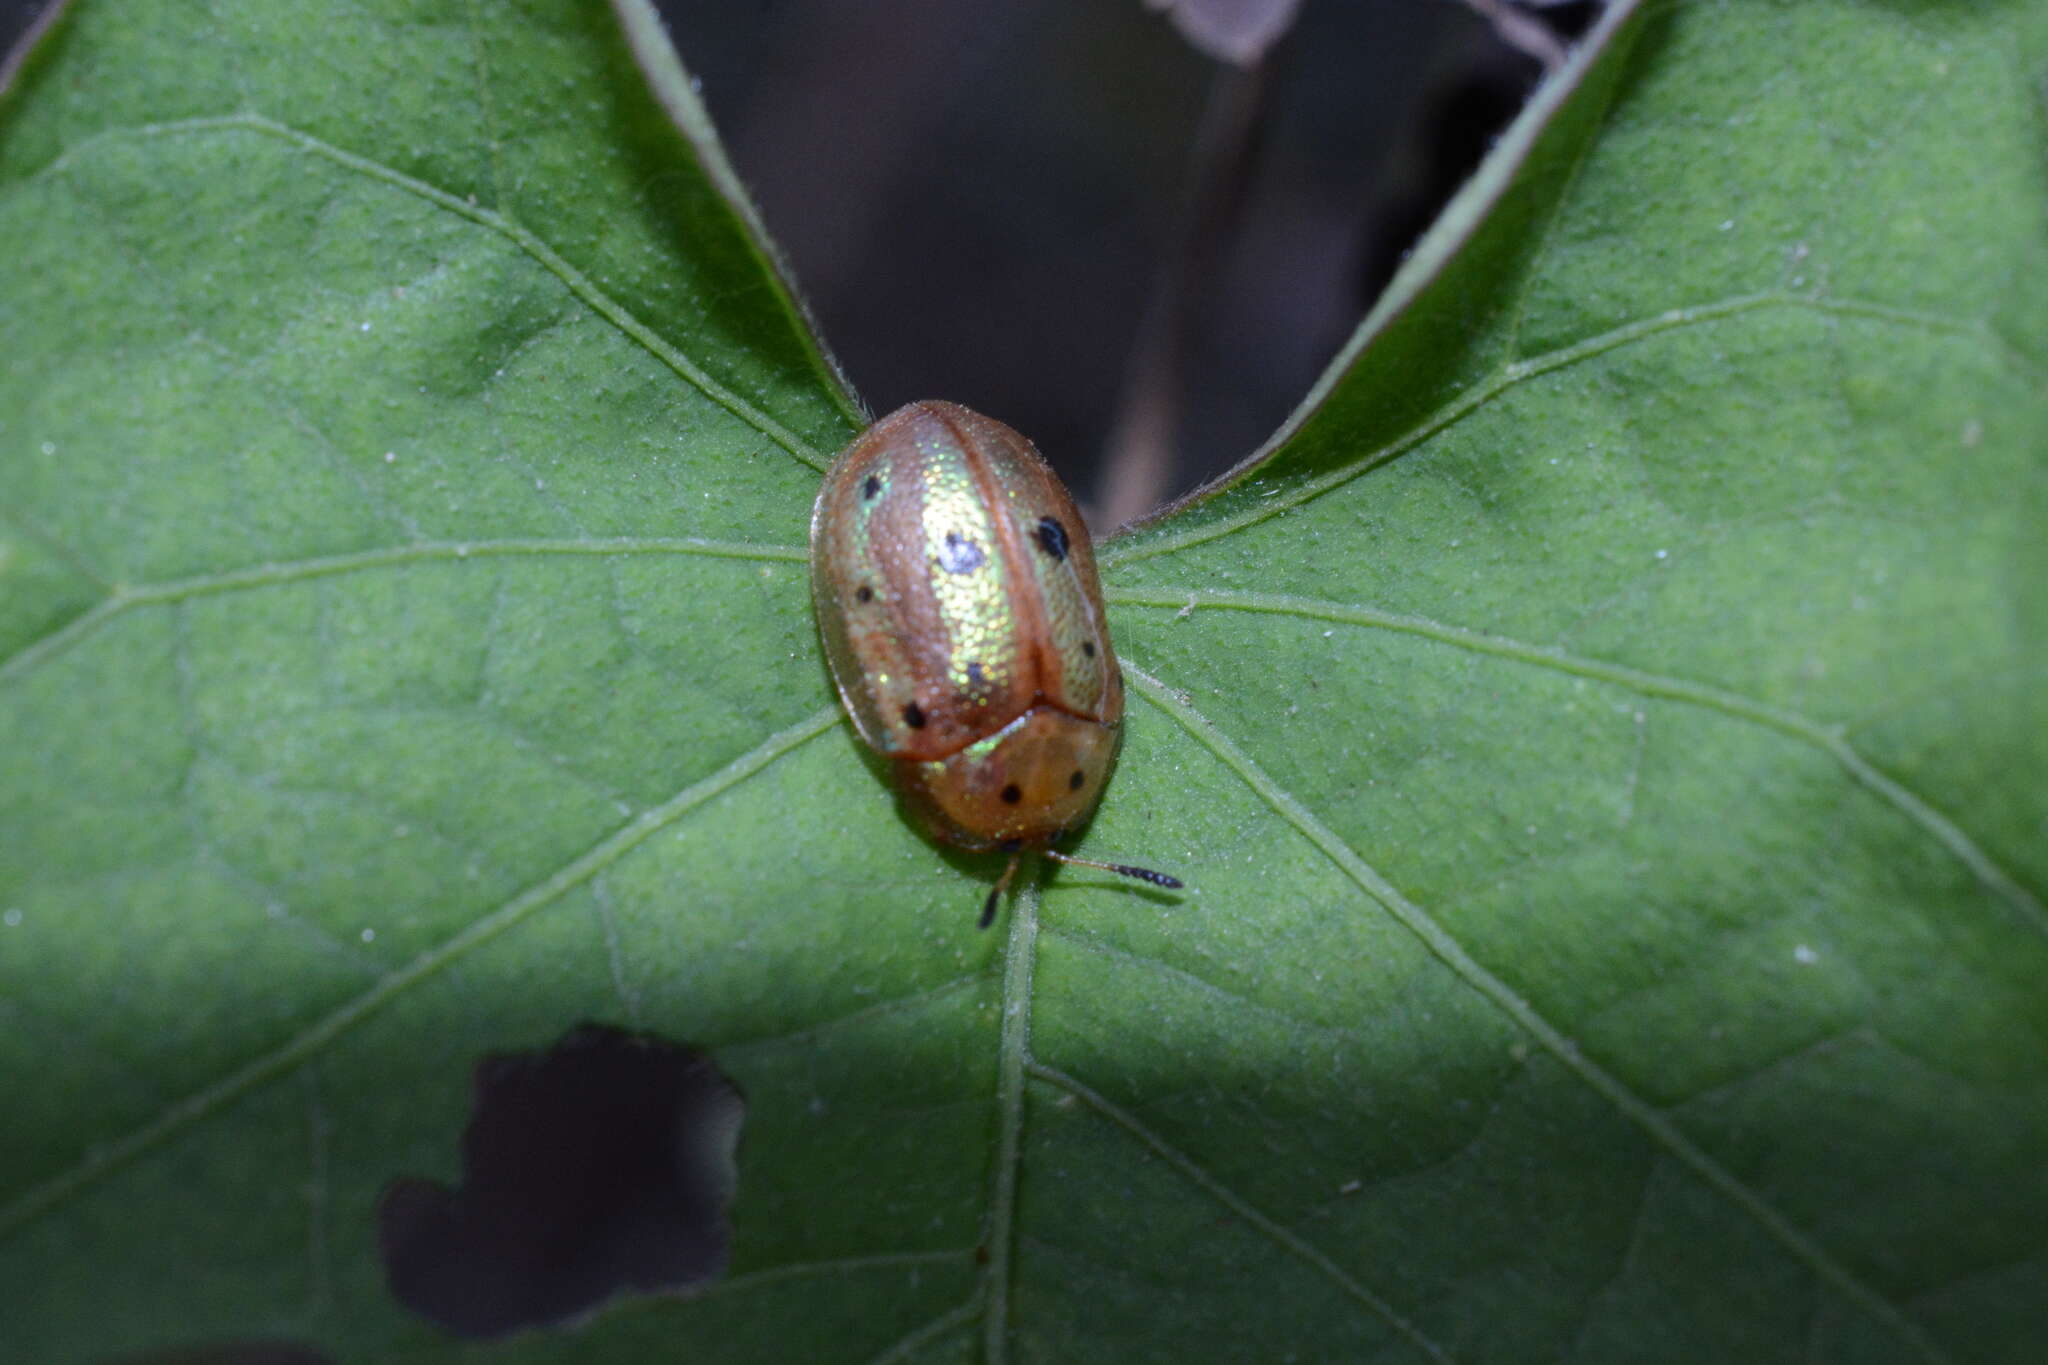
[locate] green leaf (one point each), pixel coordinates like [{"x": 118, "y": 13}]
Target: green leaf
[{"x": 1602, "y": 732}]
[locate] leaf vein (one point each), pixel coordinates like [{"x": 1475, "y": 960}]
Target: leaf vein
[
  {"x": 1230, "y": 1199},
  {"x": 510, "y": 229},
  {"x": 123, "y": 598},
  {"x": 1828, "y": 739},
  {"x": 55, "y": 544},
  {"x": 1201, "y": 985},
  {"x": 1020, "y": 956},
  {"x": 923, "y": 1336},
  {"x": 1433, "y": 936},
  {"x": 106, "y": 1158},
  {"x": 880, "y": 1009},
  {"x": 1515, "y": 373}
]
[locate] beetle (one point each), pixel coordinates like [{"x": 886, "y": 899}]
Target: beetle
[{"x": 957, "y": 600}]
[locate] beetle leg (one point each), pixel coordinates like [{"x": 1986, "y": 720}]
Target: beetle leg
[{"x": 988, "y": 907}]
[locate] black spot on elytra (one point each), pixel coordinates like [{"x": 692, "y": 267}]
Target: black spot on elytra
[
  {"x": 1074, "y": 782},
  {"x": 1012, "y": 794},
  {"x": 1088, "y": 648},
  {"x": 601, "y": 1166},
  {"x": 960, "y": 555},
  {"x": 975, "y": 677},
  {"x": 913, "y": 716},
  {"x": 866, "y": 593},
  {"x": 871, "y": 487},
  {"x": 1052, "y": 537}
]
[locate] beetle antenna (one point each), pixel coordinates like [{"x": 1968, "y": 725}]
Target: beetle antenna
[
  {"x": 1143, "y": 874},
  {"x": 995, "y": 896}
]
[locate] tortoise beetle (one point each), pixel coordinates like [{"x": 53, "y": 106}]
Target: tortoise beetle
[{"x": 957, "y": 599}]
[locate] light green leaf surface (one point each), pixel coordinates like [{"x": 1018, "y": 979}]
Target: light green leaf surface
[{"x": 1602, "y": 735}]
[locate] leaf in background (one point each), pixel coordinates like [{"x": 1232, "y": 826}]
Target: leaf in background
[{"x": 1603, "y": 733}]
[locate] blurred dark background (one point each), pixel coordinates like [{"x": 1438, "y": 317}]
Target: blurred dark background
[{"x": 1063, "y": 213}]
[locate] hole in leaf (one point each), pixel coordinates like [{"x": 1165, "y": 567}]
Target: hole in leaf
[{"x": 602, "y": 1166}]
